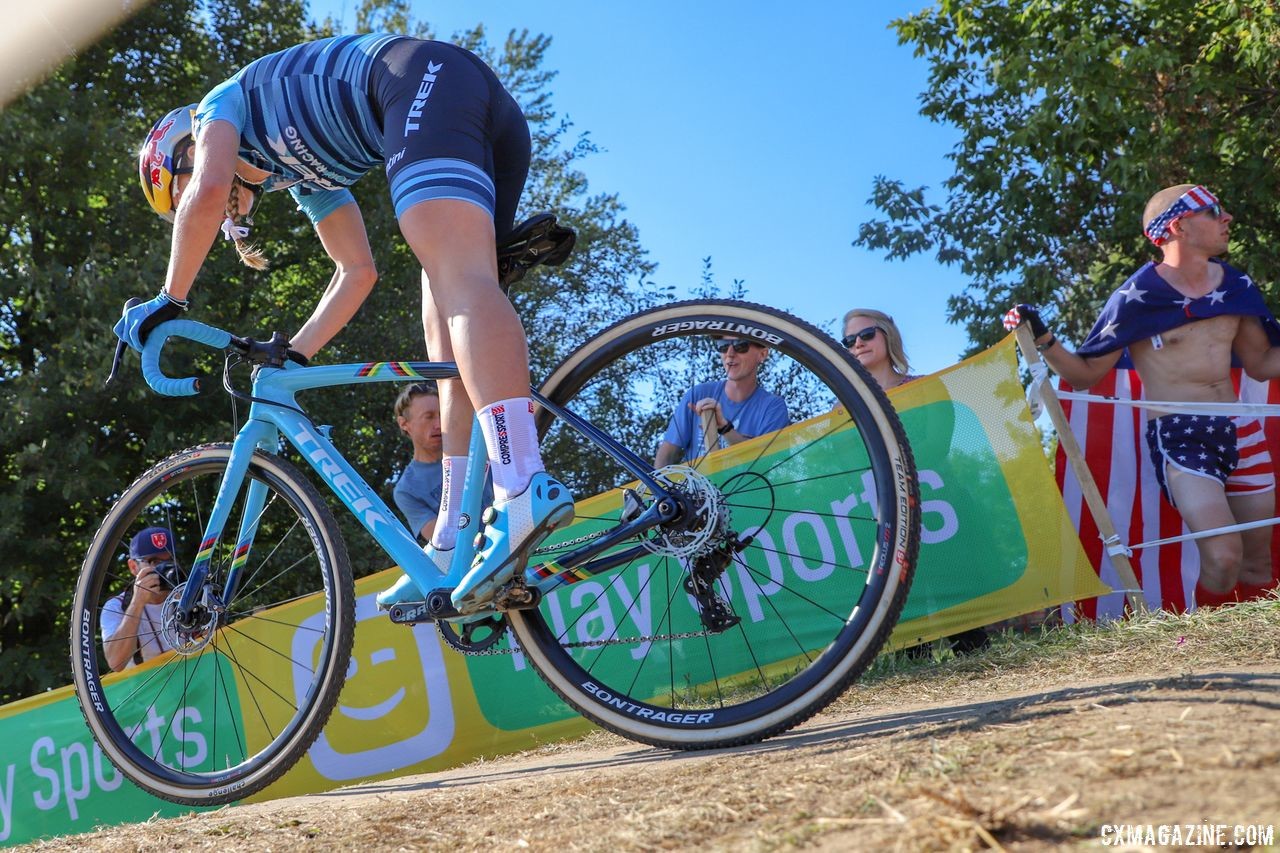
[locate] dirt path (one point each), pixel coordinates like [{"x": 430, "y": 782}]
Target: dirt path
[{"x": 890, "y": 768}]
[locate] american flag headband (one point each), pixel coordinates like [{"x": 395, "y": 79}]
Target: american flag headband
[{"x": 1192, "y": 201}]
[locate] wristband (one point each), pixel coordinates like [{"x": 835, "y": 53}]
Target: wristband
[
  {"x": 1053, "y": 339},
  {"x": 184, "y": 304},
  {"x": 728, "y": 427}
]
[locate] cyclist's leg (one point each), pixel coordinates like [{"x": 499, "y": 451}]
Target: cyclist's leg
[
  {"x": 454, "y": 240},
  {"x": 450, "y": 207},
  {"x": 457, "y": 416}
]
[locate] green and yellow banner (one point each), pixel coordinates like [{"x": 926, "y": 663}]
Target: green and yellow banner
[{"x": 996, "y": 543}]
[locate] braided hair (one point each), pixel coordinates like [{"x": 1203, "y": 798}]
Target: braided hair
[{"x": 250, "y": 255}]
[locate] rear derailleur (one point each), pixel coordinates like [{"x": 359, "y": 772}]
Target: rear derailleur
[{"x": 715, "y": 612}]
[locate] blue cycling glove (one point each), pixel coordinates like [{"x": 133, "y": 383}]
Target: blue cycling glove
[{"x": 137, "y": 320}]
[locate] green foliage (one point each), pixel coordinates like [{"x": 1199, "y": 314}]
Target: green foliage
[
  {"x": 79, "y": 241},
  {"x": 1072, "y": 113}
]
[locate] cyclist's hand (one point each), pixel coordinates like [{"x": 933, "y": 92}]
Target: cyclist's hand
[
  {"x": 137, "y": 321},
  {"x": 1029, "y": 313}
]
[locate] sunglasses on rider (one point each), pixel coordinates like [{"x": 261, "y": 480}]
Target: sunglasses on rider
[
  {"x": 864, "y": 335},
  {"x": 738, "y": 346}
]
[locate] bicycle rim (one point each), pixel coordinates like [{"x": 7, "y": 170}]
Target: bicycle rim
[
  {"x": 241, "y": 699},
  {"x": 828, "y": 509}
]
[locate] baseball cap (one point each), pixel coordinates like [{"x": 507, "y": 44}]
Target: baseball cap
[{"x": 151, "y": 541}]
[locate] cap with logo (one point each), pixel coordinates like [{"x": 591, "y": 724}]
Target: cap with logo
[{"x": 151, "y": 541}]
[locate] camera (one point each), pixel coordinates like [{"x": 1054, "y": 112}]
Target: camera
[{"x": 168, "y": 573}]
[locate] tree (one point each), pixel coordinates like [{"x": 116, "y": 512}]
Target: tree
[
  {"x": 1072, "y": 113},
  {"x": 78, "y": 241}
]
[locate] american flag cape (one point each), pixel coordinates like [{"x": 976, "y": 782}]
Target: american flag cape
[
  {"x": 1146, "y": 305},
  {"x": 1115, "y": 449}
]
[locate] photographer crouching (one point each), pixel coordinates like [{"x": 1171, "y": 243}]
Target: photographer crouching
[{"x": 131, "y": 620}]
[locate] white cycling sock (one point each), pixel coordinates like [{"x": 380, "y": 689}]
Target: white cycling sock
[
  {"x": 512, "y": 441},
  {"x": 445, "y": 534}
]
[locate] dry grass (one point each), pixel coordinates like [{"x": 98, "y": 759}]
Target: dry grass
[{"x": 1033, "y": 743}]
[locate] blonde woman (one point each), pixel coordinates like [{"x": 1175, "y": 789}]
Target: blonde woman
[{"x": 874, "y": 340}]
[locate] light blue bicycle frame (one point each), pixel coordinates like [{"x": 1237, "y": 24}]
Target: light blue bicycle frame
[{"x": 274, "y": 412}]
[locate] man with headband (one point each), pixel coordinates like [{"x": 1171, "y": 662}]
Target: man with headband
[{"x": 1181, "y": 322}]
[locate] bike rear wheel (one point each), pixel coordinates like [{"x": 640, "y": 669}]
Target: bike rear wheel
[
  {"x": 209, "y": 721},
  {"x": 747, "y": 622}
]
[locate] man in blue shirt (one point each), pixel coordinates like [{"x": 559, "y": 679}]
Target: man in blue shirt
[{"x": 736, "y": 406}]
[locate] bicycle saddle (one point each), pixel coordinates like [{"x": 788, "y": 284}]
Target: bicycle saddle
[{"x": 537, "y": 240}]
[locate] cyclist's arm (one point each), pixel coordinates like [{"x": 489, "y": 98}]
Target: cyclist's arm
[
  {"x": 1080, "y": 372},
  {"x": 343, "y": 236},
  {"x": 203, "y": 205}
]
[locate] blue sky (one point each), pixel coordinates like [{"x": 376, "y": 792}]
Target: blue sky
[{"x": 750, "y": 134}]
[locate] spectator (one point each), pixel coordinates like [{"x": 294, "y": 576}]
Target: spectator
[
  {"x": 736, "y": 407},
  {"x": 876, "y": 343},
  {"x": 874, "y": 340},
  {"x": 1181, "y": 321},
  {"x": 420, "y": 490},
  {"x": 131, "y": 621}
]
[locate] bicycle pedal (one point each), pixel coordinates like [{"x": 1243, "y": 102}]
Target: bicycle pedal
[{"x": 517, "y": 596}]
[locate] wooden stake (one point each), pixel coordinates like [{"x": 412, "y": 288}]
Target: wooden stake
[{"x": 1088, "y": 487}]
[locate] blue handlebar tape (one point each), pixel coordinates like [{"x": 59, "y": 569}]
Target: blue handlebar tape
[{"x": 190, "y": 329}]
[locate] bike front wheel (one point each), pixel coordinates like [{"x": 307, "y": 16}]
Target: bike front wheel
[
  {"x": 201, "y": 714},
  {"x": 789, "y": 565}
]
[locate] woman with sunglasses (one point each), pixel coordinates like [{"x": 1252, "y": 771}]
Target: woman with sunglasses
[
  {"x": 455, "y": 147},
  {"x": 874, "y": 340}
]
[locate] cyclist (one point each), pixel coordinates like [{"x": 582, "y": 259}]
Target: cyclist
[{"x": 314, "y": 118}]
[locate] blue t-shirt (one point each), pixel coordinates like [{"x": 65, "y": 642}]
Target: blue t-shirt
[
  {"x": 760, "y": 413},
  {"x": 418, "y": 493},
  {"x": 419, "y": 490},
  {"x": 304, "y": 115}
]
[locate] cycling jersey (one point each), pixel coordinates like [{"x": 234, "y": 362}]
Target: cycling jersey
[{"x": 317, "y": 116}]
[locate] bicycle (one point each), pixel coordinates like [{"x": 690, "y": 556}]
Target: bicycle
[{"x": 754, "y": 583}]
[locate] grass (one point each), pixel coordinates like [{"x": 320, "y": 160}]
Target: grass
[{"x": 1065, "y": 654}]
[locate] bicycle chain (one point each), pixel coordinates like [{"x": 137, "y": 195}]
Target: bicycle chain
[
  {"x": 588, "y": 644},
  {"x": 572, "y": 543}
]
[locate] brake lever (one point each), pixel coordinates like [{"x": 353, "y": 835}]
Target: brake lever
[{"x": 120, "y": 345}]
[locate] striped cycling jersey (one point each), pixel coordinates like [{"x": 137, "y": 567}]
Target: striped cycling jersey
[{"x": 304, "y": 115}]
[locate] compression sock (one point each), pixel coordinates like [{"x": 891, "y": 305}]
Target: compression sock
[
  {"x": 512, "y": 441},
  {"x": 445, "y": 534},
  {"x": 1205, "y": 598}
]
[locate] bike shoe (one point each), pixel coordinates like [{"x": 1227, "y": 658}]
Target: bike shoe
[
  {"x": 405, "y": 589},
  {"x": 513, "y": 528}
]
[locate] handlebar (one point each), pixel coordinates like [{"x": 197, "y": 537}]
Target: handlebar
[{"x": 159, "y": 336}]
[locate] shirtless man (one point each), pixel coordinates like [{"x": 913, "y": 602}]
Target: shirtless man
[{"x": 1181, "y": 320}]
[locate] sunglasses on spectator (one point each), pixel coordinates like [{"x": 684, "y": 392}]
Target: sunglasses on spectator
[
  {"x": 738, "y": 346},
  {"x": 865, "y": 335}
]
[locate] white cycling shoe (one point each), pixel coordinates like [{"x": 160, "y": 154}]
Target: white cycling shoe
[
  {"x": 405, "y": 589},
  {"x": 513, "y": 528}
]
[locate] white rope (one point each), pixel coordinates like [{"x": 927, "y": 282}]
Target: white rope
[
  {"x": 1233, "y": 528},
  {"x": 1256, "y": 409}
]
